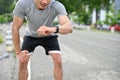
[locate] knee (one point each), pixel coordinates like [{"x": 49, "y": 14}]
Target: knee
[
  {"x": 23, "y": 66},
  {"x": 57, "y": 61}
]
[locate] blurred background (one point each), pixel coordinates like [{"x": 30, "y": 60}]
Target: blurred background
[
  {"x": 102, "y": 14},
  {"x": 91, "y": 52}
]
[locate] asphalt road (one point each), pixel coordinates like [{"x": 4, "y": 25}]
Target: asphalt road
[{"x": 86, "y": 56}]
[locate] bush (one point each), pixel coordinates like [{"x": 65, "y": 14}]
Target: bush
[
  {"x": 1, "y": 39},
  {"x": 112, "y": 19},
  {"x": 2, "y": 19},
  {"x": 5, "y": 18}
]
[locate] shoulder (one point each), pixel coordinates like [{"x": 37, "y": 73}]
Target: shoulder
[
  {"x": 21, "y": 7},
  {"x": 23, "y": 3},
  {"x": 58, "y": 7},
  {"x": 57, "y": 4}
]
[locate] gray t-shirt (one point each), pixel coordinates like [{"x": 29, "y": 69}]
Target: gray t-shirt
[{"x": 36, "y": 18}]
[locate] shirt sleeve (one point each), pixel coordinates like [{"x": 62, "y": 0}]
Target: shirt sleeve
[
  {"x": 60, "y": 9},
  {"x": 19, "y": 10}
]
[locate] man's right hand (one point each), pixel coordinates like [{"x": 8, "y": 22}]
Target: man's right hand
[{"x": 23, "y": 56}]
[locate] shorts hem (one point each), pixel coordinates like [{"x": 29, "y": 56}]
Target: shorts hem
[{"x": 54, "y": 51}]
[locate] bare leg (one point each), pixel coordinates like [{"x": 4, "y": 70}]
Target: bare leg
[
  {"x": 58, "y": 71},
  {"x": 23, "y": 72}
]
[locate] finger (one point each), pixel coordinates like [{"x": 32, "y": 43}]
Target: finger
[
  {"x": 40, "y": 32},
  {"x": 43, "y": 32},
  {"x": 21, "y": 60},
  {"x": 27, "y": 56},
  {"x": 26, "y": 51},
  {"x": 48, "y": 33},
  {"x": 25, "y": 59}
]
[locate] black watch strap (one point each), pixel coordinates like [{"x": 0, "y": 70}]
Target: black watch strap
[{"x": 57, "y": 29}]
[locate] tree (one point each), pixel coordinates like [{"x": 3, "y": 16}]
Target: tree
[
  {"x": 80, "y": 6},
  {"x": 5, "y": 6},
  {"x": 77, "y": 7},
  {"x": 98, "y": 5}
]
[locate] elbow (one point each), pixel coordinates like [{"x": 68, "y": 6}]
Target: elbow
[
  {"x": 12, "y": 28},
  {"x": 15, "y": 29}
]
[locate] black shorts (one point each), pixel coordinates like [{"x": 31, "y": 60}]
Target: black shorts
[{"x": 49, "y": 43}]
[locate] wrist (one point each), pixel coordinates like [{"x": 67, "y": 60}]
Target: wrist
[
  {"x": 17, "y": 53},
  {"x": 56, "y": 29}
]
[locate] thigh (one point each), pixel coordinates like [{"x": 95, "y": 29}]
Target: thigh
[
  {"x": 51, "y": 44},
  {"x": 29, "y": 43}
]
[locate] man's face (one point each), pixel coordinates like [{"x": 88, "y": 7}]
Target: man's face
[{"x": 41, "y": 4}]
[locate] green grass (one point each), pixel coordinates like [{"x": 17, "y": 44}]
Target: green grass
[{"x": 1, "y": 39}]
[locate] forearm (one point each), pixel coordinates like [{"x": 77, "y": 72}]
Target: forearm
[
  {"x": 65, "y": 25},
  {"x": 16, "y": 39},
  {"x": 64, "y": 29}
]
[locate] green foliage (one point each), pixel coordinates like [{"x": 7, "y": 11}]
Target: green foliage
[
  {"x": 99, "y": 22},
  {"x": 112, "y": 19},
  {"x": 1, "y": 39},
  {"x": 118, "y": 16},
  {"x": 5, "y": 6},
  {"x": 79, "y": 7},
  {"x": 5, "y": 18},
  {"x": 2, "y": 19}
]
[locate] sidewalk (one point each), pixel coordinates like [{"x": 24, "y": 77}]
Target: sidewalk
[
  {"x": 8, "y": 68},
  {"x": 7, "y": 64}
]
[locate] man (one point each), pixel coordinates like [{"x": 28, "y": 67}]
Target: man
[{"x": 40, "y": 31}]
